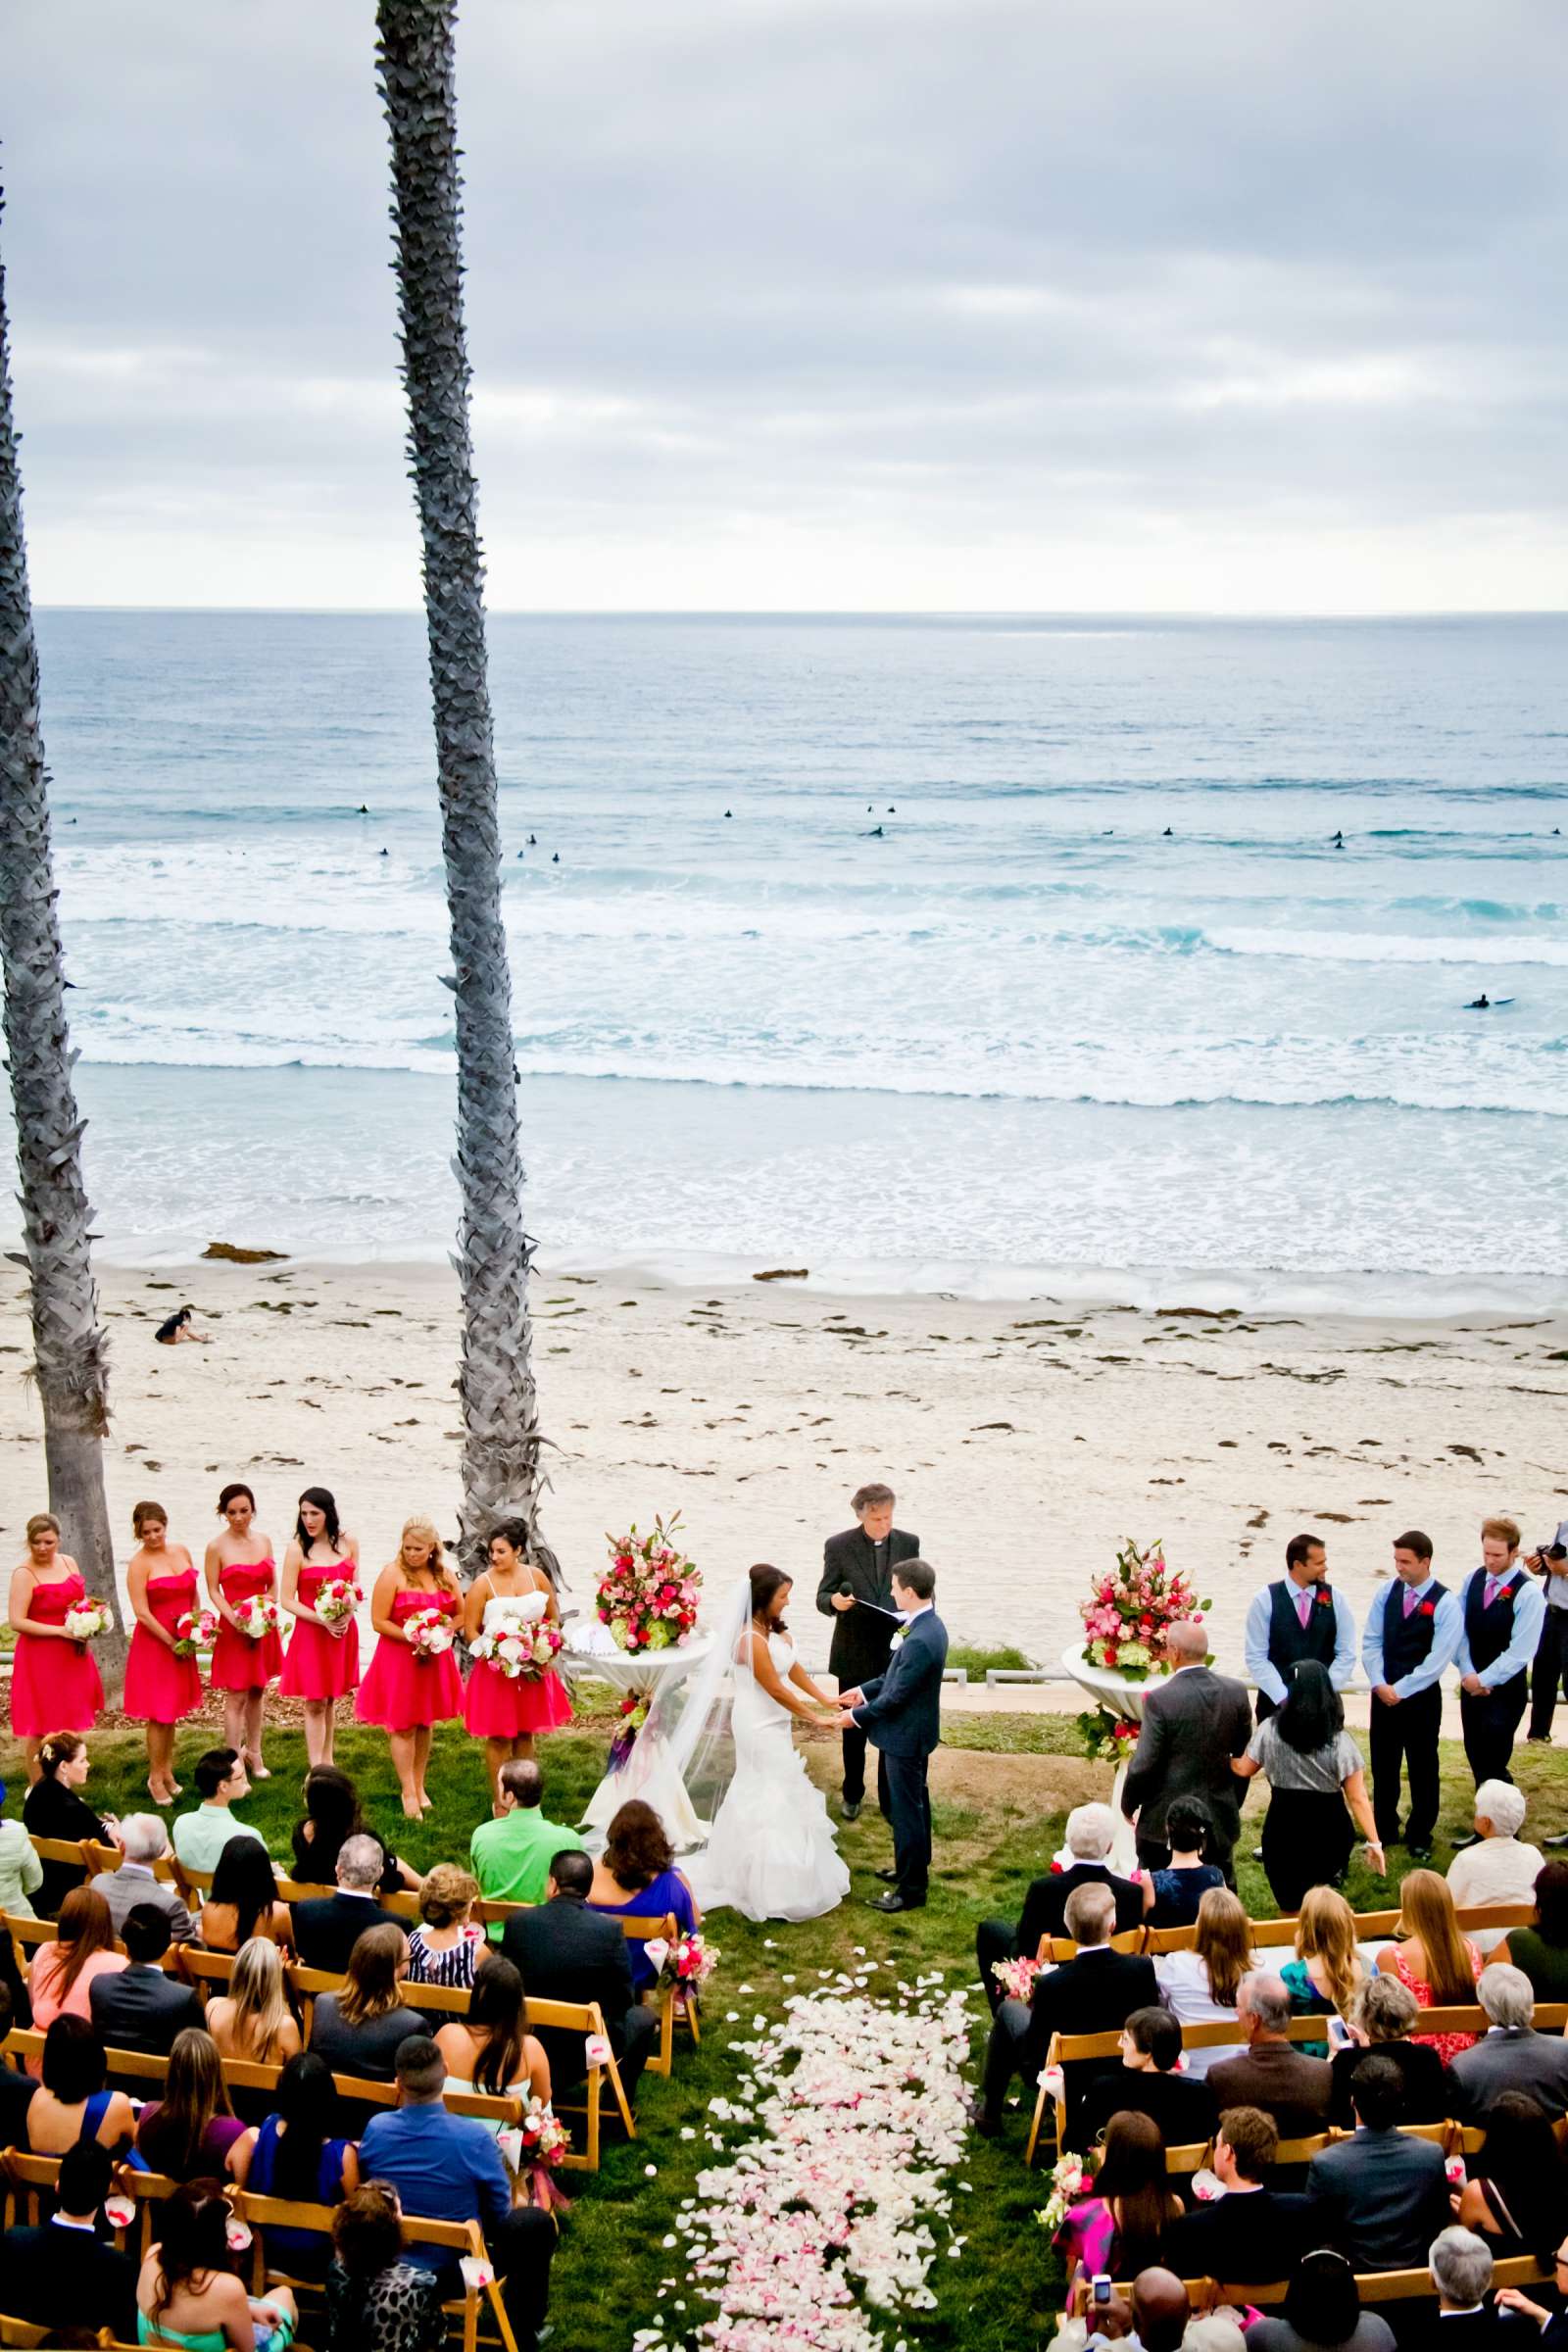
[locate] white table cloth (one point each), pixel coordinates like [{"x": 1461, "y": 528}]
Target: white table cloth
[
  {"x": 1123, "y": 1697},
  {"x": 591, "y": 1651}
]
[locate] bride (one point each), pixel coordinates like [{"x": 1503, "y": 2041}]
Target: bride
[{"x": 770, "y": 1852}]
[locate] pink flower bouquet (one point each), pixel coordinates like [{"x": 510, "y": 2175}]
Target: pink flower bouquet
[
  {"x": 648, "y": 1595},
  {"x": 195, "y": 1630},
  {"x": 1131, "y": 1607}
]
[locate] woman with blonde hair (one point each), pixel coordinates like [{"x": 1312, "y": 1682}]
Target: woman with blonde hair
[
  {"x": 409, "y": 1689},
  {"x": 446, "y": 1948},
  {"x": 54, "y": 1677},
  {"x": 357, "y": 2031},
  {"x": 1327, "y": 1971},
  {"x": 253, "y": 2019},
  {"x": 1431, "y": 1958},
  {"x": 1201, "y": 1987}
]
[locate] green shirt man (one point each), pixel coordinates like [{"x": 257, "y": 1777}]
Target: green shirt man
[{"x": 510, "y": 1856}]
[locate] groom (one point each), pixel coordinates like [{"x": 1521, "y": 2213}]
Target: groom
[{"x": 901, "y": 1713}]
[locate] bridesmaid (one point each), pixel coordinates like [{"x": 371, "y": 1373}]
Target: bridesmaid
[
  {"x": 403, "y": 1693},
  {"x": 240, "y": 1567},
  {"x": 54, "y": 1682},
  {"x": 161, "y": 1688},
  {"x": 506, "y": 1715},
  {"x": 324, "y": 1657}
]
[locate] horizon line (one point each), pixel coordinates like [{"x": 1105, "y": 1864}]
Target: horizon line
[{"x": 958, "y": 612}]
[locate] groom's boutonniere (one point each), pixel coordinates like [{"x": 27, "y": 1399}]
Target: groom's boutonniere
[{"x": 901, "y": 1637}]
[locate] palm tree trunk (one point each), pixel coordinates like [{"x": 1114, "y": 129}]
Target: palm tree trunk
[
  {"x": 70, "y": 1353},
  {"x": 501, "y": 1439}
]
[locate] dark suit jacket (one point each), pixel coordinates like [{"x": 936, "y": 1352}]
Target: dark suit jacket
[
  {"x": 142, "y": 2009},
  {"x": 1292, "y": 2089},
  {"x": 1182, "y": 2106},
  {"x": 566, "y": 1952},
  {"x": 1192, "y": 1726},
  {"x": 64, "y": 2278},
  {"x": 901, "y": 1712},
  {"x": 1093, "y": 1994},
  {"x": 1519, "y": 2060},
  {"x": 860, "y": 1638},
  {"x": 328, "y": 1926},
  {"x": 1251, "y": 2239},
  {"x": 16, "y": 2097},
  {"x": 1384, "y": 2198},
  {"x": 1425, "y": 2081},
  {"x": 1044, "y": 1906}
]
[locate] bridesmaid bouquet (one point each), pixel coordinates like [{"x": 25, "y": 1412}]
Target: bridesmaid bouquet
[
  {"x": 86, "y": 1621},
  {"x": 338, "y": 1599},
  {"x": 258, "y": 1618},
  {"x": 196, "y": 1630},
  {"x": 517, "y": 1641},
  {"x": 428, "y": 1634}
]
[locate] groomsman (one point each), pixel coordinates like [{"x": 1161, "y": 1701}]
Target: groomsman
[
  {"x": 1412, "y": 1633},
  {"x": 857, "y": 1592},
  {"x": 1502, "y": 1608},
  {"x": 1300, "y": 1617},
  {"x": 1550, "y": 1561}
]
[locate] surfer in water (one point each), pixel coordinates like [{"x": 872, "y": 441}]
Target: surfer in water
[{"x": 1481, "y": 1004}]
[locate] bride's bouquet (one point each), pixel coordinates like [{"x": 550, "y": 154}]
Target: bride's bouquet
[
  {"x": 258, "y": 1618},
  {"x": 648, "y": 1595},
  {"x": 516, "y": 1640},
  {"x": 429, "y": 1632},
  {"x": 86, "y": 1621},
  {"x": 1128, "y": 1611},
  {"x": 195, "y": 1630},
  {"x": 338, "y": 1599}
]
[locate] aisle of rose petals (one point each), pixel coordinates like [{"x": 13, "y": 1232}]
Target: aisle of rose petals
[{"x": 849, "y": 2115}]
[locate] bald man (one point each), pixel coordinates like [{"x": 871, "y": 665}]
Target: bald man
[{"x": 1193, "y": 1725}]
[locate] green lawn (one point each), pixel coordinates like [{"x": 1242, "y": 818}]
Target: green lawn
[{"x": 999, "y": 2295}]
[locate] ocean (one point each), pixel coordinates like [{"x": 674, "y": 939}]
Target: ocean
[{"x": 987, "y": 955}]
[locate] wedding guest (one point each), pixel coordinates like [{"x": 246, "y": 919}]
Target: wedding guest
[
  {"x": 242, "y": 1900},
  {"x": 1146, "y": 2083},
  {"x": 1460, "y": 2265},
  {"x": 1382, "y": 2013},
  {"x": 407, "y": 1691},
  {"x": 1314, "y": 1773},
  {"x": 1383, "y": 2195},
  {"x": 187, "y": 2294},
  {"x": 566, "y": 1952},
  {"x": 1510, "y": 2056},
  {"x": 357, "y": 2031},
  {"x": 1270, "y": 2074},
  {"x": 505, "y": 1714},
  {"x": 1321, "y": 2313},
  {"x": 322, "y": 1663},
  {"x": 446, "y": 1947},
  {"x": 491, "y": 2050},
  {"x": 190, "y": 2132},
  {"x": 139, "y": 2007},
  {"x": 1502, "y": 1608},
  {"x": 299, "y": 2154},
  {"x": 1438, "y": 1964},
  {"x": 1550, "y": 1561},
  {"x": 377, "y": 2298},
  {"x": 1201, "y": 1986},
  {"x": 54, "y": 1807},
  {"x": 1300, "y": 1617},
  {"x": 1123, "y": 2225},
  {"x": 1554, "y": 2323},
  {"x": 1517, "y": 2193},
  {"x": 54, "y": 1677},
  {"x": 1327, "y": 1971},
  {"x": 510, "y": 1855},
  {"x": 72, "y": 2104},
  {"x": 1091, "y": 1833},
  {"x": 20, "y": 1871},
  {"x": 15, "y": 2090},
  {"x": 200, "y": 1837},
  {"x": 144, "y": 1840},
  {"x": 1090, "y": 1994},
  {"x": 1193, "y": 1725},
  {"x": 448, "y": 2168},
  {"x": 332, "y": 1815},
  {"x": 1500, "y": 1867},
  {"x": 1171, "y": 1895},
  {"x": 1254, "y": 2233},
  {"x": 163, "y": 1686},
  {"x": 239, "y": 1568},
  {"x": 856, "y": 1594},
  {"x": 636, "y": 1878},
  {"x": 61, "y": 1978},
  {"x": 1155, "y": 2320},
  {"x": 252, "y": 2020},
  {"x": 64, "y": 2274},
  {"x": 1542, "y": 1950},
  {"x": 1410, "y": 1638},
  {"x": 328, "y": 1927}
]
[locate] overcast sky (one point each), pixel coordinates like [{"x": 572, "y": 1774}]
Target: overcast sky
[{"x": 1255, "y": 305}]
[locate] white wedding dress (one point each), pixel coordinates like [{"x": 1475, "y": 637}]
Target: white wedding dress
[{"x": 770, "y": 1852}]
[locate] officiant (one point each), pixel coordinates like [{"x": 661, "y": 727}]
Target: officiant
[{"x": 857, "y": 1592}]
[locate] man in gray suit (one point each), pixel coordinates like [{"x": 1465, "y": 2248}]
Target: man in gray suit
[
  {"x": 1192, "y": 1726},
  {"x": 1383, "y": 2196},
  {"x": 1511, "y": 2055}
]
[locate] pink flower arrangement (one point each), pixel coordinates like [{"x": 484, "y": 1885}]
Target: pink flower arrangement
[
  {"x": 195, "y": 1630},
  {"x": 1108, "y": 1737},
  {"x": 1129, "y": 1609},
  {"x": 1071, "y": 2179},
  {"x": 258, "y": 1618},
  {"x": 337, "y": 1600},
  {"x": 428, "y": 1634},
  {"x": 1017, "y": 1978},
  {"x": 648, "y": 1595}
]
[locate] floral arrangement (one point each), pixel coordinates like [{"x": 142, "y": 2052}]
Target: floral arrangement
[
  {"x": 1017, "y": 1978},
  {"x": 687, "y": 1963},
  {"x": 648, "y": 1594},
  {"x": 1131, "y": 1605},
  {"x": 633, "y": 1715},
  {"x": 1071, "y": 2178},
  {"x": 195, "y": 1630},
  {"x": 428, "y": 1634},
  {"x": 258, "y": 1618},
  {"x": 86, "y": 1621},
  {"x": 1108, "y": 1738},
  {"x": 542, "y": 2143},
  {"x": 518, "y": 1641},
  {"x": 338, "y": 1599}
]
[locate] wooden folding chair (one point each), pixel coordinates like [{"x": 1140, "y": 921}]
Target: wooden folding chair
[
  {"x": 28, "y": 2180},
  {"x": 644, "y": 1928},
  {"x": 21, "y": 2331},
  {"x": 1060, "y": 1948},
  {"x": 70, "y": 1851},
  {"x": 29, "y": 1935},
  {"x": 403, "y": 1904},
  {"x": 208, "y": 1972},
  {"x": 588, "y": 2019}
]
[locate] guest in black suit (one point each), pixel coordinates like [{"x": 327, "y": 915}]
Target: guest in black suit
[
  {"x": 1383, "y": 2196},
  {"x": 1147, "y": 2084},
  {"x": 64, "y": 2276},
  {"x": 15, "y": 2090},
  {"x": 1253, "y": 2233},
  {"x": 1552, "y": 2323},
  {"x": 1460, "y": 2264},
  {"x": 1091, "y": 1831},
  {"x": 566, "y": 1952},
  {"x": 902, "y": 1713},
  {"x": 1382, "y": 2013},
  {"x": 328, "y": 1927},
  {"x": 1092, "y": 1994},
  {"x": 857, "y": 1592},
  {"x": 139, "y": 2008},
  {"x": 1192, "y": 1726}
]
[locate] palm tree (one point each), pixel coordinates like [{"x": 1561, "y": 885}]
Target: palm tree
[
  {"x": 501, "y": 1439},
  {"x": 70, "y": 1363}
]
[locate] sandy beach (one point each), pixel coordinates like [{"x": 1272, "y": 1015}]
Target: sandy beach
[{"x": 1024, "y": 1439}]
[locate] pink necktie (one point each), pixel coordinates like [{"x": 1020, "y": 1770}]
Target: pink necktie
[
  {"x": 1409, "y": 1602},
  {"x": 1490, "y": 1592},
  {"x": 1304, "y": 1608}
]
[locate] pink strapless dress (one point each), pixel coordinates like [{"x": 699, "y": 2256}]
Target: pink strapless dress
[
  {"x": 159, "y": 1687},
  {"x": 320, "y": 1664},
  {"x": 55, "y": 1685},
  {"x": 239, "y": 1664},
  {"x": 494, "y": 1708},
  {"x": 401, "y": 1691}
]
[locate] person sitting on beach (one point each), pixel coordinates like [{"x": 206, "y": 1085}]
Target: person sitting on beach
[
  {"x": 177, "y": 1329},
  {"x": 1091, "y": 1833},
  {"x": 1171, "y": 1895}
]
